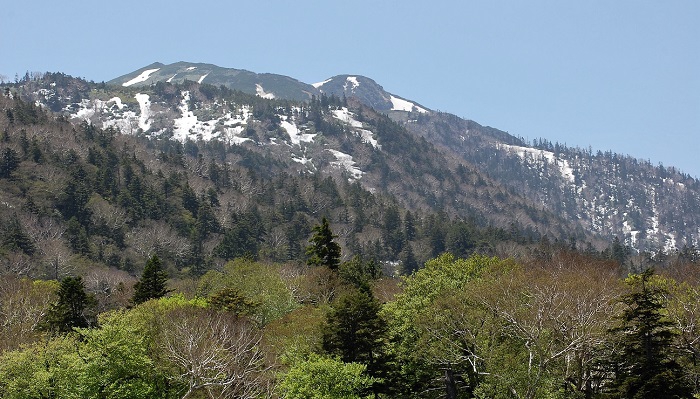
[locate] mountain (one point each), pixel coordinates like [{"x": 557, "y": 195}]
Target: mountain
[
  {"x": 593, "y": 196},
  {"x": 368, "y": 92},
  {"x": 266, "y": 85},
  {"x": 648, "y": 207},
  {"x": 95, "y": 174}
]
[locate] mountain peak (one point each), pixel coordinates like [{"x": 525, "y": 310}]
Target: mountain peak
[
  {"x": 368, "y": 92},
  {"x": 270, "y": 85}
]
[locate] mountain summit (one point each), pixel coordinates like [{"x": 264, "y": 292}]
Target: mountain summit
[
  {"x": 266, "y": 85},
  {"x": 368, "y": 92}
]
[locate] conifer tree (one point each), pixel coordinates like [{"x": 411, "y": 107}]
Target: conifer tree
[
  {"x": 74, "y": 307},
  {"x": 356, "y": 333},
  {"x": 152, "y": 284},
  {"x": 646, "y": 367},
  {"x": 323, "y": 251}
]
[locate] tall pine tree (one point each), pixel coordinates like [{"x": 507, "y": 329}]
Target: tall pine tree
[
  {"x": 323, "y": 251},
  {"x": 646, "y": 365},
  {"x": 152, "y": 284},
  {"x": 74, "y": 308}
]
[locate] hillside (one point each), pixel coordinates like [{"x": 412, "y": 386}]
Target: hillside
[
  {"x": 208, "y": 174},
  {"x": 649, "y": 207}
]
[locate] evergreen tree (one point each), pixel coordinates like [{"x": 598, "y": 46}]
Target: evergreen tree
[
  {"x": 74, "y": 307},
  {"x": 356, "y": 333},
  {"x": 646, "y": 366},
  {"x": 9, "y": 162},
  {"x": 13, "y": 237},
  {"x": 323, "y": 251},
  {"x": 152, "y": 284}
]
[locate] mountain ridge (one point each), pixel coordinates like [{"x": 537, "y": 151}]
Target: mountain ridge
[{"x": 551, "y": 177}]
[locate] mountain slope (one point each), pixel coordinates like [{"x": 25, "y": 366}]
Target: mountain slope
[
  {"x": 201, "y": 174},
  {"x": 604, "y": 194},
  {"x": 650, "y": 208}
]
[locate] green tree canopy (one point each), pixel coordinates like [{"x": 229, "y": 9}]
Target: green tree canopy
[
  {"x": 326, "y": 378},
  {"x": 74, "y": 308},
  {"x": 323, "y": 251},
  {"x": 646, "y": 365},
  {"x": 152, "y": 284}
]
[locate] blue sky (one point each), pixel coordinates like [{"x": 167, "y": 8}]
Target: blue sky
[{"x": 619, "y": 75}]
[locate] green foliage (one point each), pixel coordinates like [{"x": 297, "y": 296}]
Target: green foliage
[
  {"x": 153, "y": 282},
  {"x": 113, "y": 361},
  {"x": 424, "y": 306},
  {"x": 256, "y": 283},
  {"x": 326, "y": 378},
  {"x": 356, "y": 333},
  {"x": 232, "y": 300},
  {"x": 74, "y": 307},
  {"x": 14, "y": 237},
  {"x": 323, "y": 250},
  {"x": 242, "y": 238},
  {"x": 647, "y": 364},
  {"x": 359, "y": 272}
]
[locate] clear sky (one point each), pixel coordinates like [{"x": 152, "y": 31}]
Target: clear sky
[{"x": 620, "y": 75}]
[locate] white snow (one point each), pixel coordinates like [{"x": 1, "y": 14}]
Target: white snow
[
  {"x": 202, "y": 78},
  {"x": 145, "y": 106},
  {"x": 262, "y": 93},
  {"x": 345, "y": 161},
  {"x": 566, "y": 170},
  {"x": 171, "y": 78},
  {"x": 346, "y": 116},
  {"x": 367, "y": 137},
  {"x": 190, "y": 68},
  {"x": 319, "y": 84},
  {"x": 398, "y": 104},
  {"x": 352, "y": 81},
  {"x": 141, "y": 78},
  {"x": 86, "y": 111},
  {"x": 295, "y": 134},
  {"x": 303, "y": 160},
  {"x": 229, "y": 126},
  {"x": 117, "y": 101}
]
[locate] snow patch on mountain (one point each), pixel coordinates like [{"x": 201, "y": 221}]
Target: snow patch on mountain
[
  {"x": 367, "y": 136},
  {"x": 353, "y": 82},
  {"x": 171, "y": 78},
  {"x": 345, "y": 161},
  {"x": 141, "y": 78},
  {"x": 296, "y": 136},
  {"x": 202, "y": 78},
  {"x": 188, "y": 125},
  {"x": 565, "y": 168},
  {"x": 319, "y": 84},
  {"x": 233, "y": 126},
  {"x": 398, "y": 104},
  {"x": 303, "y": 160},
  {"x": 145, "y": 107},
  {"x": 346, "y": 116},
  {"x": 117, "y": 101},
  {"x": 262, "y": 93},
  {"x": 190, "y": 68}
]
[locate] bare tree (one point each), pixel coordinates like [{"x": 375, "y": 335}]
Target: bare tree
[
  {"x": 112, "y": 288},
  {"x": 157, "y": 237},
  {"x": 215, "y": 353},
  {"x": 23, "y": 304}
]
